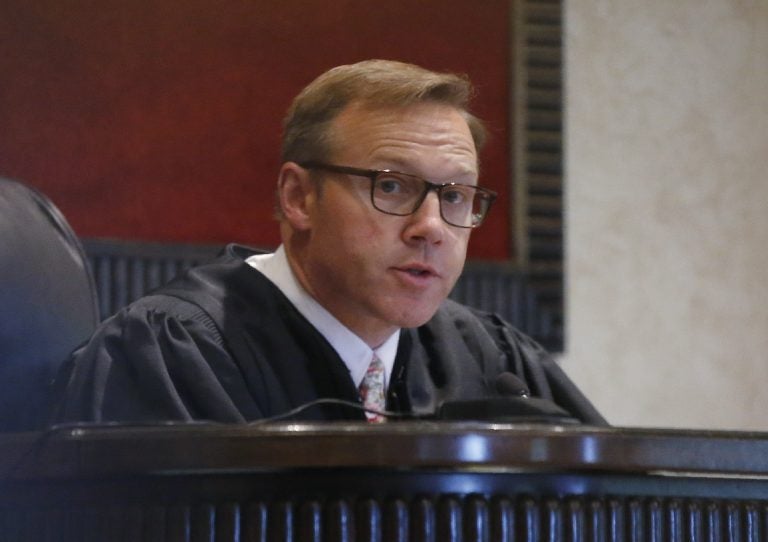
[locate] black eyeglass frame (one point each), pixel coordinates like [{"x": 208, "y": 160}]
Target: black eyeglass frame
[{"x": 489, "y": 196}]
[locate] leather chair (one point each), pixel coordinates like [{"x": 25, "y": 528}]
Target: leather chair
[{"x": 48, "y": 302}]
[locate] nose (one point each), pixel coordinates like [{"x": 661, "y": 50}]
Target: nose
[{"x": 426, "y": 224}]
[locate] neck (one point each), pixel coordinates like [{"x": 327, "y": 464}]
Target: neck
[{"x": 373, "y": 333}]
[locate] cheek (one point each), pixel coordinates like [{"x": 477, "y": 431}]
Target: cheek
[
  {"x": 348, "y": 247},
  {"x": 345, "y": 216},
  {"x": 459, "y": 249},
  {"x": 360, "y": 231}
]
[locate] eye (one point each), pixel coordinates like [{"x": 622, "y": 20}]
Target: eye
[
  {"x": 456, "y": 195},
  {"x": 395, "y": 186},
  {"x": 390, "y": 185}
]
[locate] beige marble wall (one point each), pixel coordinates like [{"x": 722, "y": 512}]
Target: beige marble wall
[{"x": 667, "y": 210}]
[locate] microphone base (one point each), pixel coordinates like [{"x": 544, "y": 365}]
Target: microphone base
[{"x": 516, "y": 410}]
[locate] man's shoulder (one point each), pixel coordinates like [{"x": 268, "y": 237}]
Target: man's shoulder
[
  {"x": 204, "y": 292},
  {"x": 228, "y": 276},
  {"x": 454, "y": 314},
  {"x": 230, "y": 262},
  {"x": 486, "y": 334}
]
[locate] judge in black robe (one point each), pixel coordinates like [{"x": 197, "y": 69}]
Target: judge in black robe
[{"x": 222, "y": 343}]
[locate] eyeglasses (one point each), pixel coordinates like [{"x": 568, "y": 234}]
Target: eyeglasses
[{"x": 401, "y": 194}]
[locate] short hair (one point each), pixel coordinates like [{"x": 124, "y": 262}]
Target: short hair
[{"x": 374, "y": 83}]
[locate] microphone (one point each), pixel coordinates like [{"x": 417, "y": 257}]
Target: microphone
[
  {"x": 508, "y": 385},
  {"x": 514, "y": 405}
]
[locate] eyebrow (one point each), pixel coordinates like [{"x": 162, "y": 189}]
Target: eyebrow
[{"x": 399, "y": 166}]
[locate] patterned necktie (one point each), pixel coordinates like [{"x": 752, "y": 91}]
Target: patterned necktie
[{"x": 372, "y": 390}]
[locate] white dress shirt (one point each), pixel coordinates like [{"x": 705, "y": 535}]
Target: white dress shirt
[{"x": 354, "y": 352}]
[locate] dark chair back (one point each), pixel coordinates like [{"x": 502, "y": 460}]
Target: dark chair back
[{"x": 48, "y": 302}]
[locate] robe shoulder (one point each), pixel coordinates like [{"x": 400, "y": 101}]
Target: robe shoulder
[
  {"x": 500, "y": 347},
  {"x": 220, "y": 343},
  {"x": 159, "y": 359}
]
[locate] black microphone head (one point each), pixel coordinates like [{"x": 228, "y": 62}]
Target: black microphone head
[
  {"x": 508, "y": 385},
  {"x": 513, "y": 406}
]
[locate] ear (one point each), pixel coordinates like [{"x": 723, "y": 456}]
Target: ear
[{"x": 297, "y": 195}]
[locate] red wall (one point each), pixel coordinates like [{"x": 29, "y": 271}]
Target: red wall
[{"x": 160, "y": 120}]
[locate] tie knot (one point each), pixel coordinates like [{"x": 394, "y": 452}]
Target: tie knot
[{"x": 372, "y": 390}]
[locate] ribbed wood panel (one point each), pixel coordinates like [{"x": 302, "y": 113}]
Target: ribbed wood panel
[
  {"x": 124, "y": 271},
  {"x": 445, "y": 518}
]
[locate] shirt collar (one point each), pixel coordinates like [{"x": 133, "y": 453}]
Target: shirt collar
[{"x": 352, "y": 350}]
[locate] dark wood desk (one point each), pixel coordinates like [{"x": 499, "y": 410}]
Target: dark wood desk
[{"x": 398, "y": 481}]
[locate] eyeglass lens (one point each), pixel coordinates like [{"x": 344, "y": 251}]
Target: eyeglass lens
[{"x": 460, "y": 205}]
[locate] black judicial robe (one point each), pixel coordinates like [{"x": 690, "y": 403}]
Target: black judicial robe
[{"x": 222, "y": 343}]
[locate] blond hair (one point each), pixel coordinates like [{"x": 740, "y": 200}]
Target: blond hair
[{"x": 306, "y": 135}]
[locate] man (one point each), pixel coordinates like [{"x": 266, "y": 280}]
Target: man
[{"x": 377, "y": 196}]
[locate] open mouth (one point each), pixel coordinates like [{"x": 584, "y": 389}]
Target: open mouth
[{"x": 418, "y": 272}]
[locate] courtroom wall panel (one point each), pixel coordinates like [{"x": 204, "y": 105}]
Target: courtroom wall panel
[{"x": 160, "y": 120}]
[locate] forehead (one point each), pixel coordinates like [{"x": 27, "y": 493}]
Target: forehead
[{"x": 419, "y": 138}]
